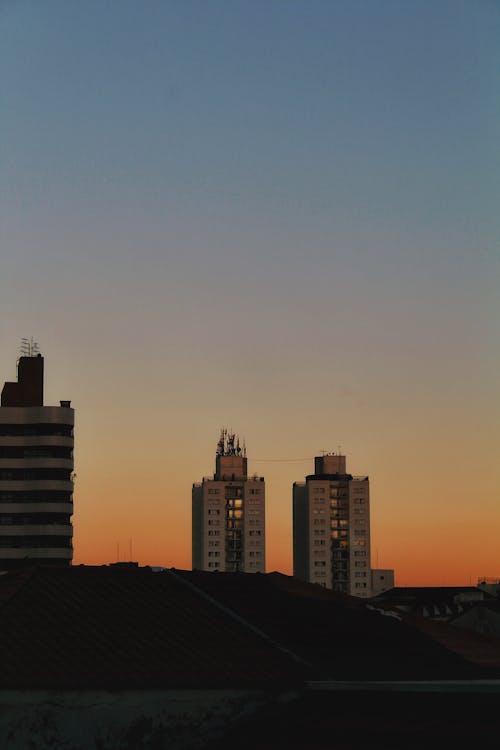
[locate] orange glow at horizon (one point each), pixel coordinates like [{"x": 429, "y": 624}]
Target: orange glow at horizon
[{"x": 147, "y": 509}]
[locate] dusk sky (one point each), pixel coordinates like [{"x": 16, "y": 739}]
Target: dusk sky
[{"x": 277, "y": 216}]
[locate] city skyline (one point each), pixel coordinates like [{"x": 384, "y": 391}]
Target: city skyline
[{"x": 280, "y": 217}]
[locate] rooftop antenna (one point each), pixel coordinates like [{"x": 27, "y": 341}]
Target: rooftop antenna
[
  {"x": 339, "y": 450},
  {"x": 29, "y": 347}
]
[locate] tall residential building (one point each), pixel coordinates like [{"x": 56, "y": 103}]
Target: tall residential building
[
  {"x": 331, "y": 528},
  {"x": 36, "y": 465},
  {"x": 229, "y": 514}
]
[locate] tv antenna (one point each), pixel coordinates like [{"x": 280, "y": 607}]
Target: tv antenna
[{"x": 29, "y": 348}]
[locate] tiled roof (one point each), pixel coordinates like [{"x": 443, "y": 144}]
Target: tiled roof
[
  {"x": 432, "y": 609},
  {"x": 116, "y": 627},
  {"x": 107, "y": 627},
  {"x": 338, "y": 633}
]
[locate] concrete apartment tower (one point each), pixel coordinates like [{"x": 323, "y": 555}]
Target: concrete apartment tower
[
  {"x": 36, "y": 465},
  {"x": 229, "y": 514},
  {"x": 331, "y": 528}
]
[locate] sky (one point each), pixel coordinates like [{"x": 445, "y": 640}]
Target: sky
[{"x": 275, "y": 216}]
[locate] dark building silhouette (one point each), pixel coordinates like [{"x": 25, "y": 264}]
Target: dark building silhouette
[
  {"x": 36, "y": 465},
  {"x": 127, "y": 657}
]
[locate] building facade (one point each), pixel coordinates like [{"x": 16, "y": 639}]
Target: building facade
[
  {"x": 36, "y": 468},
  {"x": 228, "y": 522},
  {"x": 331, "y": 528}
]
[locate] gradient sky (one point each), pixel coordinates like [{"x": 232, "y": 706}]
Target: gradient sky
[{"x": 278, "y": 216}]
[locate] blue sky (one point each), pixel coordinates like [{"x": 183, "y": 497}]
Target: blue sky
[{"x": 265, "y": 208}]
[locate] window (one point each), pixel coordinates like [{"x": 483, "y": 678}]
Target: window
[
  {"x": 211, "y": 532},
  {"x": 319, "y": 564},
  {"x": 359, "y": 574},
  {"x": 360, "y": 585},
  {"x": 359, "y": 553},
  {"x": 213, "y": 492},
  {"x": 213, "y": 512}
]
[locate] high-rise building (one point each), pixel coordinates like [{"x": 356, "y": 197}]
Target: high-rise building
[
  {"x": 229, "y": 514},
  {"x": 36, "y": 466},
  {"x": 331, "y": 528}
]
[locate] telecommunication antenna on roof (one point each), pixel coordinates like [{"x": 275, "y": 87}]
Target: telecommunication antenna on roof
[{"x": 29, "y": 347}]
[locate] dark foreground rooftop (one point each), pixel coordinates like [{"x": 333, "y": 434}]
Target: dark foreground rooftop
[
  {"x": 115, "y": 627},
  {"x": 106, "y": 627}
]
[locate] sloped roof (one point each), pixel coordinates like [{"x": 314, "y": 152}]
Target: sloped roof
[
  {"x": 338, "y": 633},
  {"x": 433, "y": 609},
  {"x": 116, "y": 627},
  {"x": 106, "y": 627}
]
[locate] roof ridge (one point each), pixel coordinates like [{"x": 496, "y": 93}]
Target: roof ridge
[{"x": 238, "y": 618}]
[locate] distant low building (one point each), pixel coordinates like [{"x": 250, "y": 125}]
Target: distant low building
[{"x": 468, "y": 607}]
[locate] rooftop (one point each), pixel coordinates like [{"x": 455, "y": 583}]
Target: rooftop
[{"x": 115, "y": 626}]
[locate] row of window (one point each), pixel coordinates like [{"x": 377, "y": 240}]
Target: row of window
[
  {"x": 252, "y": 532},
  {"x": 35, "y": 496},
  {"x": 231, "y": 492},
  {"x": 19, "y": 542},
  {"x": 42, "y": 451},
  {"x": 27, "y": 475},
  {"x": 14, "y": 430},
  {"x": 33, "y": 519}
]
